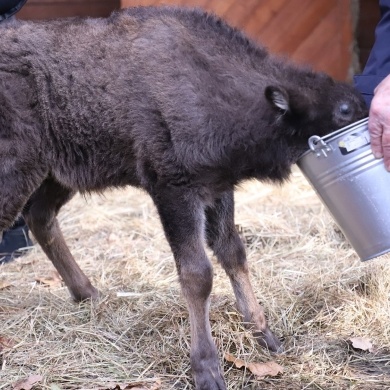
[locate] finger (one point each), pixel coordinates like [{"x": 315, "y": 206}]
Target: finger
[
  {"x": 376, "y": 132},
  {"x": 386, "y": 145}
]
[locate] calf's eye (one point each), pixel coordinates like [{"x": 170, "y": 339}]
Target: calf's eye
[{"x": 345, "y": 109}]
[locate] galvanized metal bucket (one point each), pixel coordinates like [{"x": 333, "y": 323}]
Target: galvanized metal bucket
[{"x": 353, "y": 185}]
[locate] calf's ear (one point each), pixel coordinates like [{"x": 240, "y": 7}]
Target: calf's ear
[{"x": 278, "y": 97}]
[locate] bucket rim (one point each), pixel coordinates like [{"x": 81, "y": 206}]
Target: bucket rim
[
  {"x": 345, "y": 129},
  {"x": 335, "y": 134}
]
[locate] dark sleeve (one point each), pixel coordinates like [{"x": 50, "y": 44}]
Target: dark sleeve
[
  {"x": 378, "y": 63},
  {"x": 9, "y": 8}
]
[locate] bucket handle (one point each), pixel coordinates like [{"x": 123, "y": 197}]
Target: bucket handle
[{"x": 319, "y": 146}]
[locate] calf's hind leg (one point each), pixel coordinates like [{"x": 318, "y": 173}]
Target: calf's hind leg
[
  {"x": 227, "y": 246},
  {"x": 41, "y": 216}
]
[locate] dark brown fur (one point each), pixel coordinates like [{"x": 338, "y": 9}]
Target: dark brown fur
[{"x": 170, "y": 100}]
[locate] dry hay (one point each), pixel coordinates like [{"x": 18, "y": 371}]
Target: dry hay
[{"x": 316, "y": 293}]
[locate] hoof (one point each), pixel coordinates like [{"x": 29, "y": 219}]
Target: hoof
[
  {"x": 209, "y": 380},
  {"x": 207, "y": 373},
  {"x": 269, "y": 341},
  {"x": 85, "y": 294}
]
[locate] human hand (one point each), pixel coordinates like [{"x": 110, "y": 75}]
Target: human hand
[{"x": 379, "y": 122}]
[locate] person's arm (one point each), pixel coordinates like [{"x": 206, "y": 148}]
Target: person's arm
[
  {"x": 379, "y": 121},
  {"x": 374, "y": 85},
  {"x": 378, "y": 63}
]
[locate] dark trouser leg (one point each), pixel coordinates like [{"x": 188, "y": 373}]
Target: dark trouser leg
[
  {"x": 16, "y": 186},
  {"x": 227, "y": 246},
  {"x": 15, "y": 241}
]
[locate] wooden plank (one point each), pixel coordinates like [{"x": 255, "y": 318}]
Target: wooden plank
[
  {"x": 330, "y": 63},
  {"x": 294, "y": 23},
  {"x": 241, "y": 12},
  {"x": 329, "y": 47},
  {"x": 262, "y": 15},
  {"x": 369, "y": 16},
  {"x": 192, "y": 3},
  {"x": 346, "y": 39},
  {"x": 325, "y": 49},
  {"x": 311, "y": 50},
  {"x": 195, "y": 3},
  {"x": 136, "y": 3},
  {"x": 54, "y": 9},
  {"x": 221, "y": 7}
]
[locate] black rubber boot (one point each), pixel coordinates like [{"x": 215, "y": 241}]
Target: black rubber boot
[{"x": 15, "y": 242}]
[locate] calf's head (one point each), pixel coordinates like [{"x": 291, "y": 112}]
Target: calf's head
[{"x": 316, "y": 109}]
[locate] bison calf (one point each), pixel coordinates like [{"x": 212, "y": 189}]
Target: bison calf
[{"x": 171, "y": 100}]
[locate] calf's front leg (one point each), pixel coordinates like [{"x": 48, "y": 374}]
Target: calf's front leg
[
  {"x": 227, "y": 246},
  {"x": 182, "y": 216}
]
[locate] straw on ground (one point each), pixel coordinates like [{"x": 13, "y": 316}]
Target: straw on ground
[{"x": 317, "y": 295}]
